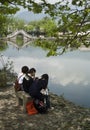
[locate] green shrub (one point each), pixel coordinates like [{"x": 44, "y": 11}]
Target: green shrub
[{"x": 7, "y": 74}]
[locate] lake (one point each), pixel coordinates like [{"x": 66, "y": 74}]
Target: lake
[{"x": 69, "y": 73}]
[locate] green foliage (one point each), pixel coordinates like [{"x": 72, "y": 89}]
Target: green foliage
[
  {"x": 3, "y": 45},
  {"x": 74, "y": 23},
  {"x": 19, "y": 24},
  {"x": 48, "y": 45},
  {"x": 3, "y": 20},
  {"x": 46, "y": 25},
  {"x": 7, "y": 74},
  {"x": 19, "y": 40},
  {"x": 73, "y": 18}
]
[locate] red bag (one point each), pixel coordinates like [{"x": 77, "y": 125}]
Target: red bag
[
  {"x": 30, "y": 108},
  {"x": 17, "y": 86}
]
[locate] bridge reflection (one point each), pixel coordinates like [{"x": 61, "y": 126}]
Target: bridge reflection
[{"x": 17, "y": 46}]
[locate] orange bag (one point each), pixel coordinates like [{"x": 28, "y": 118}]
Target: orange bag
[{"x": 30, "y": 108}]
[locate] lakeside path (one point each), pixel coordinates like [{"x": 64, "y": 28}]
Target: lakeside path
[{"x": 65, "y": 116}]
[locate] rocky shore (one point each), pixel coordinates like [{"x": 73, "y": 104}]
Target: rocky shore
[{"x": 64, "y": 116}]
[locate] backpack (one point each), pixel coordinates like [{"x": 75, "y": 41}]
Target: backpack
[
  {"x": 17, "y": 86},
  {"x": 40, "y": 106},
  {"x": 27, "y": 81}
]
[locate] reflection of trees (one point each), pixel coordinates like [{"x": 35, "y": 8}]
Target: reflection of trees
[
  {"x": 19, "y": 40},
  {"x": 3, "y": 45},
  {"x": 19, "y": 46}
]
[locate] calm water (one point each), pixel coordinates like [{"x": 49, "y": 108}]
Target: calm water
[{"x": 69, "y": 73}]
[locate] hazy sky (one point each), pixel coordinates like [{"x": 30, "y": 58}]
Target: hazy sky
[
  {"x": 50, "y": 1},
  {"x": 54, "y": 1}
]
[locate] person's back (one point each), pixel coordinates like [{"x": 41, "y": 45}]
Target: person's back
[
  {"x": 41, "y": 100},
  {"x": 36, "y": 87},
  {"x": 24, "y": 71},
  {"x": 27, "y": 82},
  {"x": 33, "y": 90}
]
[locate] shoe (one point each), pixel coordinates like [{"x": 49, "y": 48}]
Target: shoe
[{"x": 52, "y": 108}]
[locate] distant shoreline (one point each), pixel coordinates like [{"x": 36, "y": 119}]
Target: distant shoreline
[{"x": 84, "y": 48}]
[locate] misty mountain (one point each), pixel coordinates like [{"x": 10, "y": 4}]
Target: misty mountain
[{"x": 30, "y": 16}]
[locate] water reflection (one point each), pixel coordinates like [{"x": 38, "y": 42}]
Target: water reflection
[
  {"x": 69, "y": 73},
  {"x": 3, "y": 45}
]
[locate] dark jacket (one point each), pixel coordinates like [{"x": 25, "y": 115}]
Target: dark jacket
[
  {"x": 27, "y": 82},
  {"x": 36, "y": 87}
]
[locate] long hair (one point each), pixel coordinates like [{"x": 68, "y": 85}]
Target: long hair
[{"x": 45, "y": 77}]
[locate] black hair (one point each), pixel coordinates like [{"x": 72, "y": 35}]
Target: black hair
[
  {"x": 32, "y": 70},
  {"x": 46, "y": 77},
  {"x": 25, "y": 69}
]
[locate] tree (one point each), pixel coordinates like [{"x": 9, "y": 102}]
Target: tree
[
  {"x": 18, "y": 23},
  {"x": 73, "y": 18},
  {"x": 45, "y": 25},
  {"x": 3, "y": 20},
  {"x": 48, "y": 25}
]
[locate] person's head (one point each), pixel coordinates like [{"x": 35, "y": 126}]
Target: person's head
[
  {"x": 45, "y": 77},
  {"x": 25, "y": 69},
  {"x": 32, "y": 72}
]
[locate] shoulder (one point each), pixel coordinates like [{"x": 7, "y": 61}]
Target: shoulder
[
  {"x": 20, "y": 75},
  {"x": 28, "y": 78},
  {"x": 20, "y": 78}
]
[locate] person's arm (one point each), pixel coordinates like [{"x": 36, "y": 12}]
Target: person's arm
[{"x": 20, "y": 79}]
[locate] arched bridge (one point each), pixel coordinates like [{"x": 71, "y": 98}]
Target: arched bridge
[
  {"x": 26, "y": 36},
  {"x": 22, "y": 32}
]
